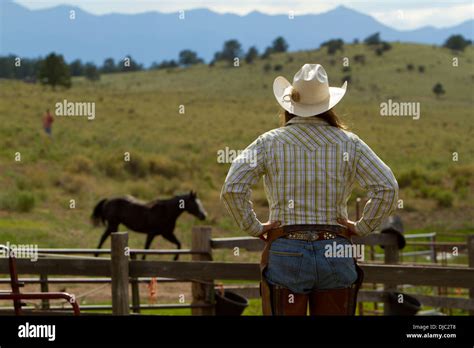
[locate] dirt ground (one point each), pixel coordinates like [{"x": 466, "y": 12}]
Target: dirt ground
[{"x": 89, "y": 294}]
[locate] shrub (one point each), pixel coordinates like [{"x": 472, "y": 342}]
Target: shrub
[
  {"x": 460, "y": 183},
  {"x": 278, "y": 67},
  {"x": 426, "y": 191},
  {"x": 81, "y": 164},
  {"x": 386, "y": 46},
  {"x": 457, "y": 43},
  {"x": 444, "y": 198},
  {"x": 25, "y": 201},
  {"x": 21, "y": 201},
  {"x": 416, "y": 179},
  {"x": 37, "y": 178},
  {"x": 22, "y": 184},
  {"x": 7, "y": 201},
  {"x": 112, "y": 167},
  {"x": 462, "y": 170},
  {"x": 140, "y": 190},
  {"x": 438, "y": 89},
  {"x": 334, "y": 45},
  {"x": 162, "y": 166},
  {"x": 70, "y": 183},
  {"x": 137, "y": 166},
  {"x": 359, "y": 58}
]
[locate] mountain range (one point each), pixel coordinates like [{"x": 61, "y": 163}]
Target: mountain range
[{"x": 155, "y": 36}]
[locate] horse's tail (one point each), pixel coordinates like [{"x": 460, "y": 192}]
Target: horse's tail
[{"x": 97, "y": 217}]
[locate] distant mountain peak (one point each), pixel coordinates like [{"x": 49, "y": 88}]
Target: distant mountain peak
[
  {"x": 156, "y": 36},
  {"x": 256, "y": 13},
  {"x": 342, "y": 10}
]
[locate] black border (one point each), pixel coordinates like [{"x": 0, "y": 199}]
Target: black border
[{"x": 289, "y": 331}]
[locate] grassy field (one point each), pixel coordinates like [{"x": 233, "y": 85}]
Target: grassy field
[{"x": 226, "y": 107}]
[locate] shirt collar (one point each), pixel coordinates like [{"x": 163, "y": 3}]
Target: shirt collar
[{"x": 307, "y": 120}]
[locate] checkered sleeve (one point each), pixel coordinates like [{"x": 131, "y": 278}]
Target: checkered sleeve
[
  {"x": 244, "y": 172},
  {"x": 382, "y": 187}
]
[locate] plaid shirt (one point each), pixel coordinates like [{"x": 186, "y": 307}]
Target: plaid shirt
[{"x": 309, "y": 169}]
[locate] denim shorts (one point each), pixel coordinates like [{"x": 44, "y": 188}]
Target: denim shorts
[{"x": 302, "y": 266}]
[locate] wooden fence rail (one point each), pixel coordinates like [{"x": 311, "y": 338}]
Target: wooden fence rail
[{"x": 462, "y": 277}]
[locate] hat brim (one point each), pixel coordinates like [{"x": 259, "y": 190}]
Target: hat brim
[{"x": 280, "y": 86}]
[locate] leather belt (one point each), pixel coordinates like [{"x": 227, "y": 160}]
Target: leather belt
[{"x": 311, "y": 233}]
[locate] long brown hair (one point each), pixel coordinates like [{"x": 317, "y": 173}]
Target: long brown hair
[{"x": 329, "y": 116}]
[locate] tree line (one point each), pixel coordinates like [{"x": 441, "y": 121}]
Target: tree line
[{"x": 54, "y": 70}]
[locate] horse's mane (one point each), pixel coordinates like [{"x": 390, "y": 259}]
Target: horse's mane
[
  {"x": 149, "y": 204},
  {"x": 133, "y": 199},
  {"x": 159, "y": 201}
]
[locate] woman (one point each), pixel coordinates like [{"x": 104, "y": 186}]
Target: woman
[{"x": 309, "y": 167}]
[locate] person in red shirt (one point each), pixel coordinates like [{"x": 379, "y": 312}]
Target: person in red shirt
[{"x": 48, "y": 122}]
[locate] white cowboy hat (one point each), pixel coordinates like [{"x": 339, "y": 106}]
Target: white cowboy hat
[{"x": 309, "y": 94}]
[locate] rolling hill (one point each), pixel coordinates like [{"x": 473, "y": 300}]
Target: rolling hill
[{"x": 226, "y": 106}]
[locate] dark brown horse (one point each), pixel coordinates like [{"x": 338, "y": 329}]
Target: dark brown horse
[{"x": 155, "y": 218}]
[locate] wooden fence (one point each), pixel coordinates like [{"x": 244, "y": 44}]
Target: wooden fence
[{"x": 124, "y": 269}]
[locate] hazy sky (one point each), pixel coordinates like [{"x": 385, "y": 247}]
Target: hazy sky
[{"x": 401, "y": 14}]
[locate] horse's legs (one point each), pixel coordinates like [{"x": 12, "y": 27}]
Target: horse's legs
[
  {"x": 110, "y": 228},
  {"x": 172, "y": 238},
  {"x": 149, "y": 239}
]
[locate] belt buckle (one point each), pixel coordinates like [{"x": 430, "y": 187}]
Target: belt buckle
[
  {"x": 309, "y": 236},
  {"x": 313, "y": 236}
]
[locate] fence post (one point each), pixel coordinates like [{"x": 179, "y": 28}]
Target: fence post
[
  {"x": 135, "y": 290},
  {"x": 391, "y": 257},
  {"x": 434, "y": 257},
  {"x": 470, "y": 251},
  {"x": 119, "y": 273},
  {"x": 203, "y": 292},
  {"x": 44, "y": 288}
]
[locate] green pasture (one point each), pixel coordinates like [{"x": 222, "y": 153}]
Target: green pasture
[{"x": 226, "y": 106}]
